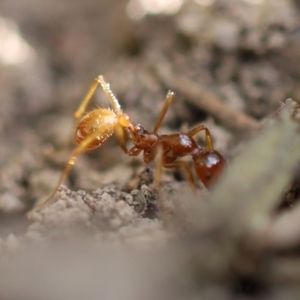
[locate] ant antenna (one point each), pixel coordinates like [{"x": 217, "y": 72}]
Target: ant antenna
[{"x": 168, "y": 101}]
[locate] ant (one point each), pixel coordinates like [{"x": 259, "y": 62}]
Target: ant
[{"x": 98, "y": 125}]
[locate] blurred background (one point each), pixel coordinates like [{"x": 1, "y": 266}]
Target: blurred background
[{"x": 243, "y": 53}]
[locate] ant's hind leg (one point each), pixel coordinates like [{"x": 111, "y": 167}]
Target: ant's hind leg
[
  {"x": 168, "y": 101},
  {"x": 159, "y": 164},
  {"x": 208, "y": 137}
]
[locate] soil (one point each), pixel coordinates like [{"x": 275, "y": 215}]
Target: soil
[{"x": 110, "y": 230}]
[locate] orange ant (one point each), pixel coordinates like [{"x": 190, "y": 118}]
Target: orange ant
[{"x": 98, "y": 125}]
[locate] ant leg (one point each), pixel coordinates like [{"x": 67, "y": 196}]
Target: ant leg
[
  {"x": 168, "y": 101},
  {"x": 86, "y": 100},
  {"x": 186, "y": 168},
  {"x": 106, "y": 88},
  {"x": 208, "y": 137},
  {"x": 159, "y": 163},
  {"x": 78, "y": 150}
]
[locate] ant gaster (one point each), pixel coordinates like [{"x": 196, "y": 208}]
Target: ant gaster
[{"x": 98, "y": 125}]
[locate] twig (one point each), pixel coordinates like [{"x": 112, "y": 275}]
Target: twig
[{"x": 207, "y": 101}]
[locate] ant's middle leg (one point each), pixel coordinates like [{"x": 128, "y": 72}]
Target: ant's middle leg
[
  {"x": 159, "y": 163},
  {"x": 208, "y": 137},
  {"x": 168, "y": 101}
]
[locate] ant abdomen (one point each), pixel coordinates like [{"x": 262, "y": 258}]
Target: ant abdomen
[{"x": 209, "y": 164}]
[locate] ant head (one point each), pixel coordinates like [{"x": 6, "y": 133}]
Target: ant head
[
  {"x": 141, "y": 130},
  {"x": 209, "y": 164},
  {"x": 140, "y": 137}
]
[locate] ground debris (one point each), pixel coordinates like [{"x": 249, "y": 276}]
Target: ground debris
[{"x": 108, "y": 213}]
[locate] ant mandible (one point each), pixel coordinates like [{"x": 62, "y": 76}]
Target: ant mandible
[{"x": 98, "y": 125}]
